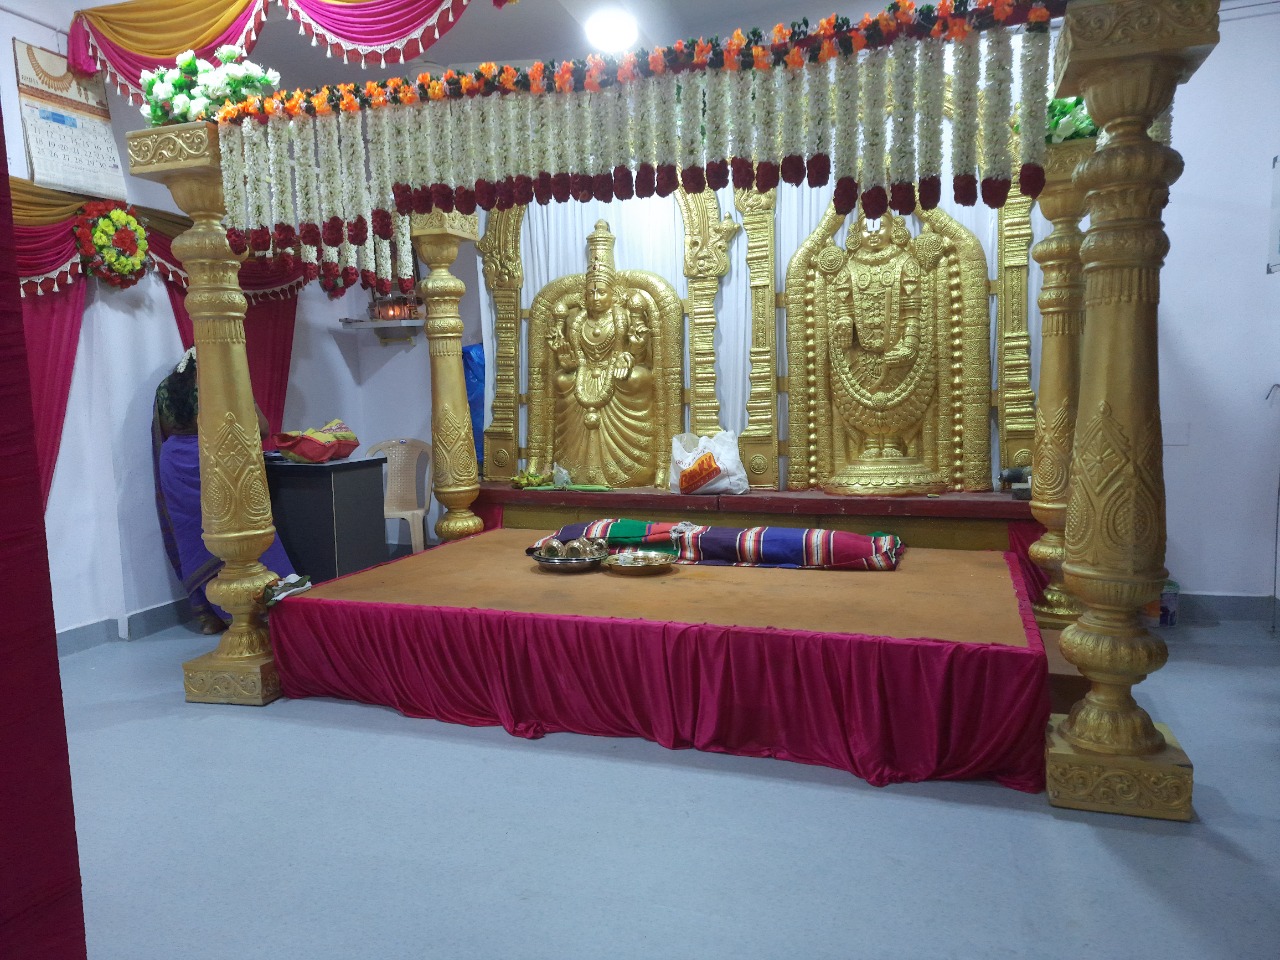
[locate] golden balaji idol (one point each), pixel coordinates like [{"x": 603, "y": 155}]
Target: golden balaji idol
[
  {"x": 889, "y": 362},
  {"x": 606, "y": 362}
]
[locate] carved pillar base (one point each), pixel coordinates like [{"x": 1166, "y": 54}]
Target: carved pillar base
[
  {"x": 249, "y": 681},
  {"x": 1158, "y": 785},
  {"x": 1058, "y": 608},
  {"x": 455, "y": 473}
]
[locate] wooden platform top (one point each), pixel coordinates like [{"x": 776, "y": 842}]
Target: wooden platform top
[
  {"x": 959, "y": 596},
  {"x": 613, "y": 503}
]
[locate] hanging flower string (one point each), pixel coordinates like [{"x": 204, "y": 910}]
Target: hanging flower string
[
  {"x": 112, "y": 243},
  {"x": 802, "y": 103}
]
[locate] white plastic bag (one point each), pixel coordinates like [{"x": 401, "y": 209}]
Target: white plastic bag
[{"x": 707, "y": 464}]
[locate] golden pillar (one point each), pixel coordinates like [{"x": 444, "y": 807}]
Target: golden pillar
[
  {"x": 235, "y": 506},
  {"x": 504, "y": 275},
  {"x": 706, "y": 261},
  {"x": 1015, "y": 400},
  {"x": 1126, "y": 57},
  {"x": 759, "y": 442},
  {"x": 455, "y": 473},
  {"x": 1061, "y": 304}
]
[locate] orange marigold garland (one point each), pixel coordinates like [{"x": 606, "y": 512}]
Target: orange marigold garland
[{"x": 111, "y": 242}]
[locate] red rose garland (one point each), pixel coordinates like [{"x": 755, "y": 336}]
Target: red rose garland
[{"x": 111, "y": 242}]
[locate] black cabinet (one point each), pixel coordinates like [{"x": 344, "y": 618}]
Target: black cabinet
[{"x": 329, "y": 515}]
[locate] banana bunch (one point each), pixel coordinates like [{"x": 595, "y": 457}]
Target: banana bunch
[{"x": 526, "y": 479}]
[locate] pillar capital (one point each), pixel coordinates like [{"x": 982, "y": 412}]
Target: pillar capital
[
  {"x": 1099, "y": 34},
  {"x": 463, "y": 226}
]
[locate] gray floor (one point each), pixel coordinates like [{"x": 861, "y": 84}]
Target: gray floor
[{"x": 324, "y": 829}]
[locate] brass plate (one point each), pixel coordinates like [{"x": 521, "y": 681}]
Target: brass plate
[{"x": 639, "y": 562}]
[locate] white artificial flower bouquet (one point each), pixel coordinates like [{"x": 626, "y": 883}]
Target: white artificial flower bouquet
[{"x": 194, "y": 89}]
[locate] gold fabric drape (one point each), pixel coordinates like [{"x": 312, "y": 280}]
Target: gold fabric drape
[
  {"x": 164, "y": 28},
  {"x": 36, "y": 206}
]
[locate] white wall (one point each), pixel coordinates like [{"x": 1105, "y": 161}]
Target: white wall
[{"x": 1220, "y": 321}]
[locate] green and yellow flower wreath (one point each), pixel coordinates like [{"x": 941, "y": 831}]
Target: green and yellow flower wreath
[{"x": 112, "y": 243}]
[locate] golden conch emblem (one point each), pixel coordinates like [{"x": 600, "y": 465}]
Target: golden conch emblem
[
  {"x": 606, "y": 361},
  {"x": 887, "y": 347}
]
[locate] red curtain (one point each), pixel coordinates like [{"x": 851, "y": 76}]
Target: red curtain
[
  {"x": 268, "y": 323},
  {"x": 41, "y": 912},
  {"x": 52, "y": 325},
  {"x": 268, "y": 340}
]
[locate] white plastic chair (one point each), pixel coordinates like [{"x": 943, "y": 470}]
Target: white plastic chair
[{"x": 401, "y": 501}]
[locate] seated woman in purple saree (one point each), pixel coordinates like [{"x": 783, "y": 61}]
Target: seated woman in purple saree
[{"x": 176, "y": 453}]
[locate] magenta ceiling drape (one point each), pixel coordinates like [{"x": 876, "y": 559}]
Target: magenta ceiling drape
[{"x": 373, "y": 32}]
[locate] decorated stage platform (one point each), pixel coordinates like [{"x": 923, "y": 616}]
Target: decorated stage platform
[{"x": 933, "y": 671}]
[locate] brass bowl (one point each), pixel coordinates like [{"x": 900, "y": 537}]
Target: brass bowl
[
  {"x": 574, "y": 556},
  {"x": 640, "y": 562}
]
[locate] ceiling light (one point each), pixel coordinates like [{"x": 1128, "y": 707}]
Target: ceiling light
[{"x": 611, "y": 30}]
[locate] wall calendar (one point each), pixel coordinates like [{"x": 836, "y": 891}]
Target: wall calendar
[{"x": 67, "y": 126}]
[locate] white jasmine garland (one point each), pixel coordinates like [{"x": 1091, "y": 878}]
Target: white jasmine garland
[
  {"x": 427, "y": 148},
  {"x": 1033, "y": 107},
  {"x": 382, "y": 266},
  {"x": 486, "y": 139},
  {"x": 305, "y": 165},
  {"x": 509, "y": 116},
  {"x": 353, "y": 172},
  {"x": 761, "y": 107},
  {"x": 624, "y": 118},
  {"x": 528, "y": 150},
  {"x": 740, "y": 113},
  {"x": 413, "y": 133},
  {"x": 792, "y": 113},
  {"x": 902, "y": 78},
  {"x": 447, "y": 130},
  {"x": 872, "y": 171},
  {"x": 605, "y": 117},
  {"x": 552, "y": 131},
  {"x": 716, "y": 120},
  {"x": 380, "y": 158},
  {"x": 665, "y": 132},
  {"x": 691, "y": 90},
  {"x": 231, "y": 145},
  {"x": 964, "y": 109},
  {"x": 588, "y": 133},
  {"x": 930, "y": 89},
  {"x": 541, "y": 139},
  {"x": 346, "y": 255},
  {"x": 644, "y": 97},
  {"x": 281, "y": 189},
  {"x": 330, "y": 187},
  {"x": 257, "y": 166},
  {"x": 817, "y": 101},
  {"x": 404, "y": 256},
  {"x": 997, "y": 105},
  {"x": 845, "y": 101}
]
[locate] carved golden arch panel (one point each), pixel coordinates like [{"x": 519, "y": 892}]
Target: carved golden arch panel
[
  {"x": 606, "y": 378},
  {"x": 888, "y": 359}
]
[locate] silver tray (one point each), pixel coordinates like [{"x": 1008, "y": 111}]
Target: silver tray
[{"x": 567, "y": 564}]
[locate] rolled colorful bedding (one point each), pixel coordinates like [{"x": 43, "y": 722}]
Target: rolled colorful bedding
[{"x": 810, "y": 549}]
